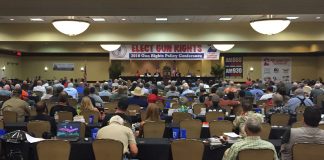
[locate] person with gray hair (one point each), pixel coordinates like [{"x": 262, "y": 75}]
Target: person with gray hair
[
  {"x": 5, "y": 91},
  {"x": 316, "y": 92},
  {"x": 186, "y": 90},
  {"x": 71, "y": 91},
  {"x": 297, "y": 101},
  {"x": 39, "y": 87},
  {"x": 49, "y": 93},
  {"x": 252, "y": 141}
]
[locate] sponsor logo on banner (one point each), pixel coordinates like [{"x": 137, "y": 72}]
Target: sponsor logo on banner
[
  {"x": 233, "y": 67},
  {"x": 165, "y": 52},
  {"x": 276, "y": 69}
]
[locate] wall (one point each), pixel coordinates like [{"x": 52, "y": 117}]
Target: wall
[
  {"x": 97, "y": 67},
  {"x": 303, "y": 67},
  {"x": 13, "y": 66}
]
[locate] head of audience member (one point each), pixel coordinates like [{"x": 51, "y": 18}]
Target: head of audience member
[
  {"x": 147, "y": 85},
  {"x": 86, "y": 104},
  {"x": 173, "y": 88},
  {"x": 256, "y": 86},
  {"x": 152, "y": 112},
  {"x": 122, "y": 105},
  {"x": 39, "y": 83},
  {"x": 49, "y": 90},
  {"x": 155, "y": 91},
  {"x": 92, "y": 90},
  {"x": 70, "y": 85},
  {"x": 86, "y": 91},
  {"x": 17, "y": 86},
  {"x": 277, "y": 99},
  {"x": 317, "y": 86},
  {"x": 140, "y": 85},
  {"x": 312, "y": 116},
  {"x": 105, "y": 87},
  {"x": 185, "y": 86},
  {"x": 63, "y": 98},
  {"x": 231, "y": 83},
  {"x": 58, "y": 90},
  {"x": 221, "y": 94},
  {"x": 246, "y": 106},
  {"x": 213, "y": 90},
  {"x": 116, "y": 120},
  {"x": 230, "y": 95},
  {"x": 299, "y": 92},
  {"x": 137, "y": 92},
  {"x": 6, "y": 87},
  {"x": 252, "y": 127},
  {"x": 40, "y": 107},
  {"x": 16, "y": 93}
]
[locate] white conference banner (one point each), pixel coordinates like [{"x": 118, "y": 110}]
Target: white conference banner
[
  {"x": 276, "y": 69},
  {"x": 165, "y": 52}
]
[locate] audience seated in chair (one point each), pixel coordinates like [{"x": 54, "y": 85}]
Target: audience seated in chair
[
  {"x": 152, "y": 115},
  {"x": 310, "y": 133},
  {"x": 42, "y": 116},
  {"x": 136, "y": 99},
  {"x": 17, "y": 105},
  {"x": 247, "y": 113},
  {"x": 62, "y": 105},
  {"x": 121, "y": 111},
  {"x": 117, "y": 131},
  {"x": 251, "y": 141}
]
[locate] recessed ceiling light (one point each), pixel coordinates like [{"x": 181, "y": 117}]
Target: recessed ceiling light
[
  {"x": 98, "y": 19},
  {"x": 37, "y": 19},
  {"x": 225, "y": 19},
  {"x": 123, "y": 19},
  {"x": 318, "y": 17},
  {"x": 187, "y": 19},
  {"x": 11, "y": 19},
  {"x": 161, "y": 19},
  {"x": 292, "y": 18}
]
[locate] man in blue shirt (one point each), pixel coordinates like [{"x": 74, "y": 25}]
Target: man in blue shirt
[
  {"x": 71, "y": 91},
  {"x": 105, "y": 91},
  {"x": 298, "y": 100},
  {"x": 257, "y": 92},
  {"x": 186, "y": 90}
]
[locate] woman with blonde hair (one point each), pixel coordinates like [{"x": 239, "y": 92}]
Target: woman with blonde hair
[
  {"x": 152, "y": 115},
  {"x": 86, "y": 105}
]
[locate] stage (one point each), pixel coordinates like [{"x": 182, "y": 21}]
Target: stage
[{"x": 155, "y": 79}]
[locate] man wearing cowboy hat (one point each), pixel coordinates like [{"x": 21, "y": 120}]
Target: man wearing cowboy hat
[{"x": 138, "y": 98}]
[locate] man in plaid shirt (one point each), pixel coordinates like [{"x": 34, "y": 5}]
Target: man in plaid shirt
[{"x": 252, "y": 141}]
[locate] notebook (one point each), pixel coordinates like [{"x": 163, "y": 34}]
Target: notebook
[{"x": 68, "y": 131}]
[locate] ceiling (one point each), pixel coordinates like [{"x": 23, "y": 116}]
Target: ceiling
[
  {"x": 170, "y": 19},
  {"x": 23, "y": 34}
]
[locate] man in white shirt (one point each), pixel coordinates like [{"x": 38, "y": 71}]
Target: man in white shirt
[
  {"x": 71, "y": 91},
  {"x": 268, "y": 95},
  {"x": 39, "y": 87}
]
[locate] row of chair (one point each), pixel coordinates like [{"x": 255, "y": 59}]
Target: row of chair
[{"x": 181, "y": 150}]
